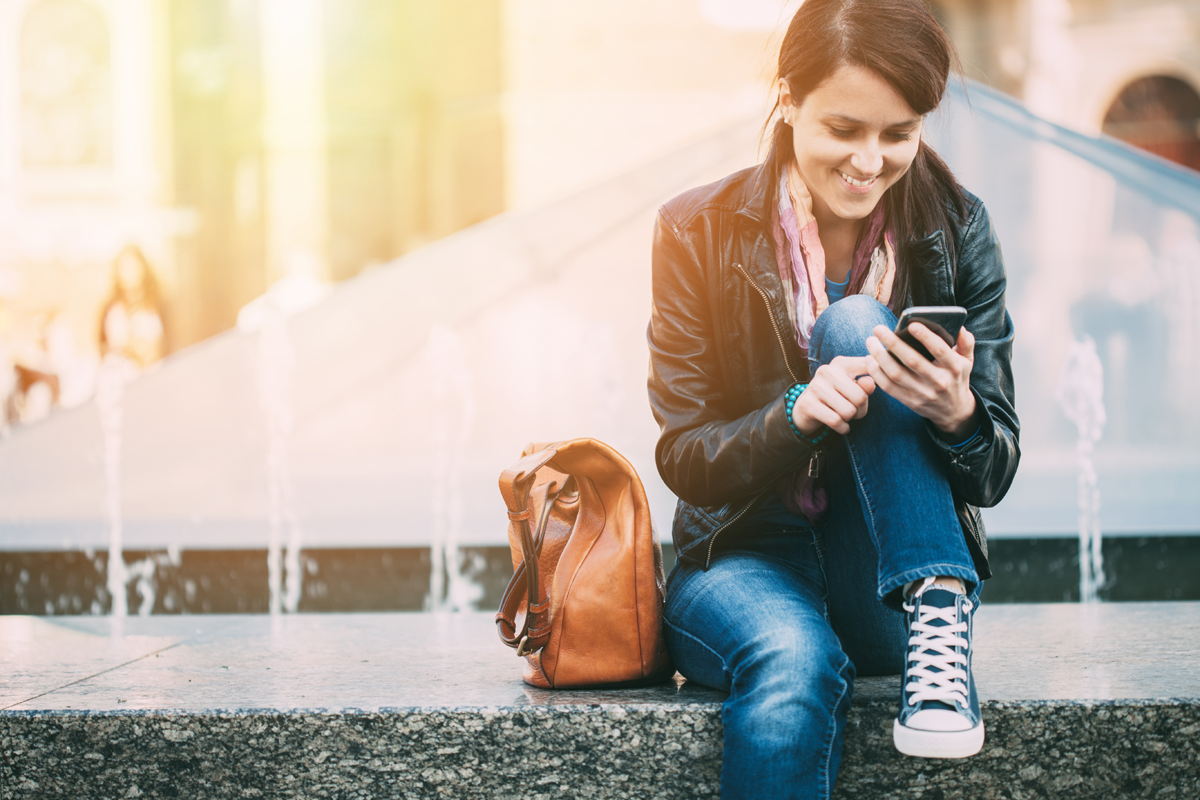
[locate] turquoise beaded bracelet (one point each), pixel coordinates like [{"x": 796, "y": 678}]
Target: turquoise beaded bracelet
[{"x": 792, "y": 395}]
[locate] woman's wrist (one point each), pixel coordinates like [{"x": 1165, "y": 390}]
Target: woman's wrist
[
  {"x": 959, "y": 426},
  {"x": 805, "y": 429}
]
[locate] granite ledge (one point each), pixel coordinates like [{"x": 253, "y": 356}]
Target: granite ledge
[
  {"x": 1034, "y": 750},
  {"x": 1079, "y": 703}
]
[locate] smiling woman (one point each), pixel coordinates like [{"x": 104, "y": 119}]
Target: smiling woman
[
  {"x": 828, "y": 474},
  {"x": 854, "y": 136}
]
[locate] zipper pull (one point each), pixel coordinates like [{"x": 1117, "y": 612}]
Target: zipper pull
[{"x": 814, "y": 464}]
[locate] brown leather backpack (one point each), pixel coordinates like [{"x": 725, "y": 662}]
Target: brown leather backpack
[{"x": 584, "y": 606}]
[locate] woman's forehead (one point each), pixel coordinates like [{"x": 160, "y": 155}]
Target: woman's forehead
[{"x": 859, "y": 96}]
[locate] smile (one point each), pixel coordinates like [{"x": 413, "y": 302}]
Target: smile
[{"x": 862, "y": 184}]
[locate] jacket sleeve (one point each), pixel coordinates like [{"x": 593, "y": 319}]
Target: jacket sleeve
[
  {"x": 982, "y": 469},
  {"x": 706, "y": 455}
]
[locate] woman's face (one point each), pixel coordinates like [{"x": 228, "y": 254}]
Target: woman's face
[{"x": 854, "y": 136}]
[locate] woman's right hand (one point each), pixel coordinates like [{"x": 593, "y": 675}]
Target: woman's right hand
[{"x": 833, "y": 397}]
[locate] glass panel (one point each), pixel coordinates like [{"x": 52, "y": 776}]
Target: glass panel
[{"x": 1100, "y": 241}]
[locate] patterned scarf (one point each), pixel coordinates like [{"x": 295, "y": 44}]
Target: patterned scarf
[
  {"x": 801, "y": 260},
  {"x": 801, "y": 257}
]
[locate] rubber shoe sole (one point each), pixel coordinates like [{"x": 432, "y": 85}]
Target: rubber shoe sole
[{"x": 937, "y": 744}]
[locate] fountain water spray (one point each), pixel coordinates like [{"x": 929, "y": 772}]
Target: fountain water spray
[
  {"x": 1080, "y": 393},
  {"x": 268, "y": 315},
  {"x": 144, "y": 571},
  {"x": 453, "y": 417},
  {"x": 114, "y": 373},
  {"x": 274, "y": 377}
]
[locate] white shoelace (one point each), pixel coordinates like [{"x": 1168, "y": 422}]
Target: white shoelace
[{"x": 947, "y": 681}]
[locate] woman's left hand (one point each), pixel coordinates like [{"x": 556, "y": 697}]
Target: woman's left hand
[{"x": 939, "y": 390}]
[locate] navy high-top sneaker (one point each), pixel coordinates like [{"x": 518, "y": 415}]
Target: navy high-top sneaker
[{"x": 939, "y": 710}]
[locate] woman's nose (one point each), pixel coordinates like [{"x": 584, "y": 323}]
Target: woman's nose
[{"x": 868, "y": 159}]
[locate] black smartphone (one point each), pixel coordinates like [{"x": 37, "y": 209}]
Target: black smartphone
[{"x": 945, "y": 321}]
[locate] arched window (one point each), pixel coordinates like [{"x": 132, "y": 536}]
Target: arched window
[
  {"x": 1159, "y": 114},
  {"x": 66, "y": 86}
]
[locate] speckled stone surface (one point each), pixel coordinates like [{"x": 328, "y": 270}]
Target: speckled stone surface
[{"x": 1080, "y": 702}]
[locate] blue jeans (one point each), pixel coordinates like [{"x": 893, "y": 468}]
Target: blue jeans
[{"x": 787, "y": 616}]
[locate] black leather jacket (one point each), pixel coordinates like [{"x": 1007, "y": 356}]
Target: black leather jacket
[{"x": 723, "y": 353}]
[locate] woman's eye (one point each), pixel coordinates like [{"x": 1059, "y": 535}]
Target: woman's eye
[
  {"x": 900, "y": 136},
  {"x": 842, "y": 133}
]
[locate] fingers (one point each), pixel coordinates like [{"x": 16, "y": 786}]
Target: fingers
[
  {"x": 901, "y": 350},
  {"x": 914, "y": 387},
  {"x": 886, "y": 367},
  {"x": 935, "y": 344},
  {"x": 879, "y": 376},
  {"x": 965, "y": 346},
  {"x": 865, "y": 382},
  {"x": 839, "y": 391},
  {"x": 833, "y": 397},
  {"x": 854, "y": 367},
  {"x": 937, "y": 390},
  {"x": 821, "y": 413},
  {"x": 845, "y": 395},
  {"x": 852, "y": 379}
]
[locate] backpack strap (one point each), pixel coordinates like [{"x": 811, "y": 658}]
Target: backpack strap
[{"x": 516, "y": 483}]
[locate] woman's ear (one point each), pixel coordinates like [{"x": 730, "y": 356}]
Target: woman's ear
[{"x": 785, "y": 98}]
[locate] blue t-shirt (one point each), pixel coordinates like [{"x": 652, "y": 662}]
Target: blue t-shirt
[{"x": 836, "y": 291}]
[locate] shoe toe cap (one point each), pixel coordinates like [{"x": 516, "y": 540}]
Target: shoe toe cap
[{"x": 938, "y": 719}]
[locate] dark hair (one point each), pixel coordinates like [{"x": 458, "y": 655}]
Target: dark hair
[{"x": 900, "y": 41}]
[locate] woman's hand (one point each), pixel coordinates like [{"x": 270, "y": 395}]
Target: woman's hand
[
  {"x": 833, "y": 397},
  {"x": 939, "y": 390}
]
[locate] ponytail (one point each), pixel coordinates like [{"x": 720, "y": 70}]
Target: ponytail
[
  {"x": 780, "y": 153},
  {"x": 918, "y": 205}
]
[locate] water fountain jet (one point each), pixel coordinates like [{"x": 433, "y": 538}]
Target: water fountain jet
[{"x": 1080, "y": 394}]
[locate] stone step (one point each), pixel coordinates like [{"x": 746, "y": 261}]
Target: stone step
[{"x": 1080, "y": 702}]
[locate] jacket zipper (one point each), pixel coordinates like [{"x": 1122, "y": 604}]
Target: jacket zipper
[
  {"x": 712, "y": 540},
  {"x": 771, "y": 316}
]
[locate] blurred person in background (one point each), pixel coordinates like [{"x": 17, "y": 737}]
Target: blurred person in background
[
  {"x": 33, "y": 394},
  {"x": 131, "y": 322},
  {"x": 829, "y": 475},
  {"x": 35, "y": 371}
]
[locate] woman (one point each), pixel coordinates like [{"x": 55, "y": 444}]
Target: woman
[
  {"x": 131, "y": 322},
  {"x": 828, "y": 474}
]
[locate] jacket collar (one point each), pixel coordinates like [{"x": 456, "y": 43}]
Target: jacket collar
[
  {"x": 762, "y": 266},
  {"x": 932, "y": 281},
  {"x": 753, "y": 200}
]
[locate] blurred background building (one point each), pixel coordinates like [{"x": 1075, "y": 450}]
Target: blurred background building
[
  {"x": 238, "y": 141},
  {"x": 163, "y": 163},
  {"x": 1129, "y": 68}
]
